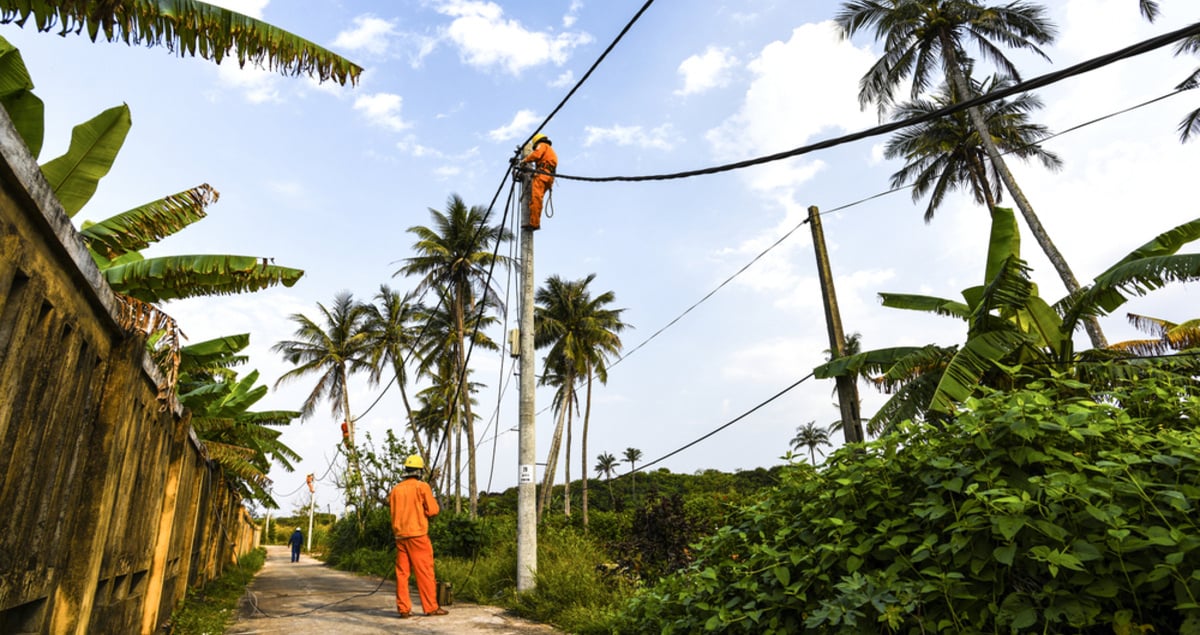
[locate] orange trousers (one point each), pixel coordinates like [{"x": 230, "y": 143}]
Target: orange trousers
[
  {"x": 537, "y": 190},
  {"x": 418, "y": 552}
]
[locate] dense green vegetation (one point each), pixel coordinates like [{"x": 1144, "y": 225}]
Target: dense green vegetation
[
  {"x": 212, "y": 608},
  {"x": 1045, "y": 509},
  {"x": 584, "y": 574}
]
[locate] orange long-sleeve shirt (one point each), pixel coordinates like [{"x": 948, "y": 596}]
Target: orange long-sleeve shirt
[
  {"x": 544, "y": 158},
  {"x": 412, "y": 505}
]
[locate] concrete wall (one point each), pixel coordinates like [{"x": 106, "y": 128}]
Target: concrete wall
[{"x": 109, "y": 509}]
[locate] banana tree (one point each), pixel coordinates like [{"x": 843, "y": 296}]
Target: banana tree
[
  {"x": 244, "y": 443},
  {"x": 1013, "y": 335},
  {"x": 185, "y": 27}
]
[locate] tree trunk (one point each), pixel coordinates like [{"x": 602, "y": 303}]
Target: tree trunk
[
  {"x": 464, "y": 396},
  {"x": 583, "y": 450},
  {"x": 398, "y": 367},
  {"x": 352, "y": 451},
  {"x": 551, "y": 465},
  {"x": 958, "y": 78},
  {"x": 567, "y": 458}
]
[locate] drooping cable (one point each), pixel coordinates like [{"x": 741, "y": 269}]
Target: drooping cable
[{"x": 1047, "y": 79}]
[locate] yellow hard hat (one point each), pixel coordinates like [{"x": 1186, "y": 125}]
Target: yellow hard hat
[
  {"x": 538, "y": 138},
  {"x": 414, "y": 462}
]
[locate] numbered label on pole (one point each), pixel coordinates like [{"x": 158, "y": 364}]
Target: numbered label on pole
[{"x": 526, "y": 475}]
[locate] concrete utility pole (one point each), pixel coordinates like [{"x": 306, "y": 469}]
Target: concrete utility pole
[
  {"x": 847, "y": 391},
  {"x": 311, "y": 497},
  {"x": 527, "y": 442}
]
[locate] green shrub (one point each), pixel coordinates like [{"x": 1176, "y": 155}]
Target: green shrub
[{"x": 1034, "y": 511}]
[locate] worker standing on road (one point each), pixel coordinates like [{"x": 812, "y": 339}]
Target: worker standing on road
[
  {"x": 544, "y": 159},
  {"x": 412, "y": 505},
  {"x": 295, "y": 542}
]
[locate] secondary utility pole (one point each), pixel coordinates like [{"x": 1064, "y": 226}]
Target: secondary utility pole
[
  {"x": 527, "y": 442},
  {"x": 311, "y": 498},
  {"x": 847, "y": 391}
]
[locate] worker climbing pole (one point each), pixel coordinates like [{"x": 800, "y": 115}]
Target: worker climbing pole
[{"x": 541, "y": 154}]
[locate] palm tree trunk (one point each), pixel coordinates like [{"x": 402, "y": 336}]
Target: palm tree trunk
[
  {"x": 412, "y": 425},
  {"x": 352, "y": 451},
  {"x": 464, "y": 396},
  {"x": 583, "y": 450},
  {"x": 551, "y": 465},
  {"x": 958, "y": 78},
  {"x": 567, "y": 458}
]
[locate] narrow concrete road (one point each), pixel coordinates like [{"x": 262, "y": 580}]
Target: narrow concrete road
[{"x": 308, "y": 597}]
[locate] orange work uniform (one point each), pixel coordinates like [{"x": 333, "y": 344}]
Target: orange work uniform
[
  {"x": 412, "y": 505},
  {"x": 544, "y": 159}
]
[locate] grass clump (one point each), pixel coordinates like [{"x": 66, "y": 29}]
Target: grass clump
[{"x": 213, "y": 607}]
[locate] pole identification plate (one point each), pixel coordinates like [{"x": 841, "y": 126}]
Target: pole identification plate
[{"x": 526, "y": 475}]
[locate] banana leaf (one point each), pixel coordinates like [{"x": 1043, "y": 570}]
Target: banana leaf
[
  {"x": 144, "y": 225},
  {"x": 219, "y": 352},
  {"x": 185, "y": 27},
  {"x": 876, "y": 361},
  {"x": 979, "y": 355},
  {"x": 94, "y": 146},
  {"x": 931, "y": 304},
  {"x": 26, "y": 110},
  {"x": 178, "y": 277}
]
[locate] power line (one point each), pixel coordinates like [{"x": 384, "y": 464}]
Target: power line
[
  {"x": 721, "y": 427},
  {"x": 588, "y": 74},
  {"x": 1038, "y": 82}
]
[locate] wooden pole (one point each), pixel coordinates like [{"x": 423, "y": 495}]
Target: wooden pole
[{"x": 846, "y": 390}]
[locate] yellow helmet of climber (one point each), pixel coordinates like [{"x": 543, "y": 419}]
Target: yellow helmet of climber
[
  {"x": 539, "y": 138},
  {"x": 414, "y": 462}
]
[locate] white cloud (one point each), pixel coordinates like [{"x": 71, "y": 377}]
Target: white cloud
[
  {"x": 521, "y": 123},
  {"x": 659, "y": 138},
  {"x": 572, "y": 14},
  {"x": 370, "y": 34},
  {"x": 486, "y": 39},
  {"x": 257, "y": 85},
  {"x": 705, "y": 71},
  {"x": 780, "y": 110},
  {"x": 447, "y": 171},
  {"x": 382, "y": 109},
  {"x": 564, "y": 80}
]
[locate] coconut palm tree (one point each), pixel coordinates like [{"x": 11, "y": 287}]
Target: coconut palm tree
[
  {"x": 923, "y": 35},
  {"x": 945, "y": 154},
  {"x": 632, "y": 456},
  {"x": 812, "y": 436},
  {"x": 392, "y": 331},
  {"x": 1190, "y": 125},
  {"x": 456, "y": 253},
  {"x": 582, "y": 333},
  {"x": 606, "y": 466},
  {"x": 332, "y": 347},
  {"x": 437, "y": 359},
  {"x": 186, "y": 27}
]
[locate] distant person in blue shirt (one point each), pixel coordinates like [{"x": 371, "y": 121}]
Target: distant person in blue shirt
[{"x": 296, "y": 541}]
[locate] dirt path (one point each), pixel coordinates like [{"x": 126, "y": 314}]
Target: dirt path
[{"x": 308, "y": 597}]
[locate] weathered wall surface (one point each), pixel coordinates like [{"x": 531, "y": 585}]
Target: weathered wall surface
[{"x": 108, "y": 508}]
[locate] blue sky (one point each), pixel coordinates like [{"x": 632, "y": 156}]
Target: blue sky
[{"x": 328, "y": 179}]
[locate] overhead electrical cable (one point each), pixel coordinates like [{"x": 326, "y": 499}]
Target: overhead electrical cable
[
  {"x": 721, "y": 427},
  {"x": 1026, "y": 86},
  {"x": 588, "y": 74}
]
